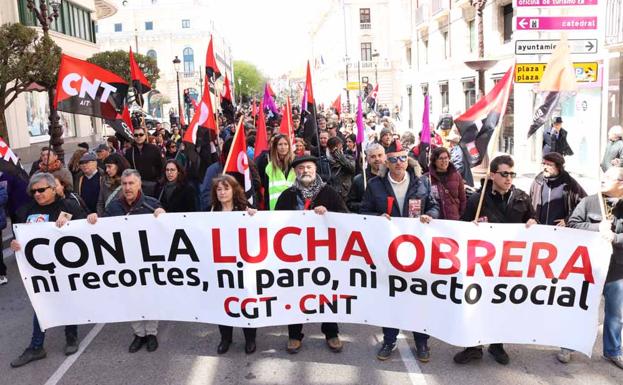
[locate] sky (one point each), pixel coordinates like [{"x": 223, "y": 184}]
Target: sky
[{"x": 272, "y": 34}]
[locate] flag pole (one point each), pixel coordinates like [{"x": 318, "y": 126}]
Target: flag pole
[{"x": 240, "y": 127}]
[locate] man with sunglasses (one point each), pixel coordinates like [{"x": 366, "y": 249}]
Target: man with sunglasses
[
  {"x": 502, "y": 203},
  {"x": 46, "y": 206},
  {"x": 147, "y": 159},
  {"x": 399, "y": 190}
]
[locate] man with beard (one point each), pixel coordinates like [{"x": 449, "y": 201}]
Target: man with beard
[
  {"x": 375, "y": 157},
  {"x": 309, "y": 192}
]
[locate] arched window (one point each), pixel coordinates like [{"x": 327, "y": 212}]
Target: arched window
[
  {"x": 189, "y": 60},
  {"x": 152, "y": 54}
]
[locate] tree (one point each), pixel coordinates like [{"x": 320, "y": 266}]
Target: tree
[
  {"x": 27, "y": 61},
  {"x": 118, "y": 62},
  {"x": 252, "y": 80}
]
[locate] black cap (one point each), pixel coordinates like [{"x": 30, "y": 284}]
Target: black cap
[
  {"x": 84, "y": 145},
  {"x": 558, "y": 119},
  {"x": 304, "y": 158},
  {"x": 555, "y": 157}
]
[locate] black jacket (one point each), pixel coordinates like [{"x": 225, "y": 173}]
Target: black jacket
[
  {"x": 183, "y": 199},
  {"x": 143, "y": 205},
  {"x": 559, "y": 144},
  {"x": 514, "y": 207},
  {"x": 148, "y": 161},
  {"x": 379, "y": 189},
  {"x": 355, "y": 195},
  {"x": 33, "y": 211},
  {"x": 572, "y": 193},
  {"x": 587, "y": 216},
  {"x": 327, "y": 197}
]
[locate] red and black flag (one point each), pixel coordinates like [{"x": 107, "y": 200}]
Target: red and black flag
[
  {"x": 211, "y": 67},
  {"x": 85, "y": 89},
  {"x": 123, "y": 124},
  {"x": 139, "y": 81},
  {"x": 237, "y": 163},
  {"x": 227, "y": 104},
  {"x": 337, "y": 105},
  {"x": 308, "y": 112},
  {"x": 478, "y": 124},
  {"x": 204, "y": 117},
  {"x": 9, "y": 162}
]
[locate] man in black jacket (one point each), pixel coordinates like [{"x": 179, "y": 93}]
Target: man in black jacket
[
  {"x": 587, "y": 216},
  {"x": 502, "y": 203},
  {"x": 555, "y": 139},
  {"x": 310, "y": 193},
  {"x": 375, "y": 157},
  {"x": 147, "y": 159},
  {"x": 134, "y": 202},
  {"x": 400, "y": 191}
]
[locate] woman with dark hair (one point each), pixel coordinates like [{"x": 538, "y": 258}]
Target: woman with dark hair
[
  {"x": 228, "y": 195},
  {"x": 176, "y": 194},
  {"x": 110, "y": 183},
  {"x": 74, "y": 161},
  {"x": 351, "y": 145},
  {"x": 447, "y": 184},
  {"x": 278, "y": 174},
  {"x": 113, "y": 144}
]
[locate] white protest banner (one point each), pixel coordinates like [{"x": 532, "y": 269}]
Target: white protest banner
[{"x": 463, "y": 283}]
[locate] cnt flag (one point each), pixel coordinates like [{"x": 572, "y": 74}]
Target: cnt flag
[
  {"x": 261, "y": 137},
  {"x": 211, "y": 67},
  {"x": 9, "y": 162},
  {"x": 226, "y": 102},
  {"x": 123, "y": 124},
  {"x": 308, "y": 111},
  {"x": 238, "y": 160},
  {"x": 478, "y": 124},
  {"x": 558, "y": 81},
  {"x": 371, "y": 100},
  {"x": 204, "y": 116},
  {"x": 86, "y": 89},
  {"x": 139, "y": 81}
]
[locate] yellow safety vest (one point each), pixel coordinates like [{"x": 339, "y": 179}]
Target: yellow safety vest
[{"x": 277, "y": 183}]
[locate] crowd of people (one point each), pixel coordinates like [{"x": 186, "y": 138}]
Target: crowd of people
[{"x": 392, "y": 176}]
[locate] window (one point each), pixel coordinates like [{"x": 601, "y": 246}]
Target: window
[
  {"x": 445, "y": 95},
  {"x": 408, "y": 53},
  {"x": 96, "y": 29},
  {"x": 73, "y": 20},
  {"x": 424, "y": 87},
  {"x": 364, "y": 15},
  {"x": 446, "y": 47},
  {"x": 189, "y": 61},
  {"x": 186, "y": 23},
  {"x": 152, "y": 54},
  {"x": 473, "y": 37},
  {"x": 425, "y": 56},
  {"x": 469, "y": 90},
  {"x": 507, "y": 12},
  {"x": 149, "y": 26},
  {"x": 366, "y": 51},
  {"x": 118, "y": 27}
]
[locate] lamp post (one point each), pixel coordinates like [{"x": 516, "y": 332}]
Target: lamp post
[
  {"x": 375, "y": 59},
  {"x": 347, "y": 63},
  {"x": 176, "y": 66},
  {"x": 45, "y": 18}
]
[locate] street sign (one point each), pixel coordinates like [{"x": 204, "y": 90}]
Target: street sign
[
  {"x": 555, "y": 23},
  {"x": 554, "y": 3},
  {"x": 546, "y": 47},
  {"x": 353, "y": 86},
  {"x": 532, "y": 72}
]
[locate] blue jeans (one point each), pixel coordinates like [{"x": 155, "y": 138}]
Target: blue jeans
[
  {"x": 613, "y": 318},
  {"x": 390, "y": 335},
  {"x": 38, "y": 336}
]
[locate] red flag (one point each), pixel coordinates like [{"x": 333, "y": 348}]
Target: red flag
[
  {"x": 270, "y": 90},
  {"x": 261, "y": 137},
  {"x": 211, "y": 67},
  {"x": 139, "y": 81},
  {"x": 286, "y": 120},
  {"x": 337, "y": 104},
  {"x": 226, "y": 103},
  {"x": 227, "y": 94},
  {"x": 182, "y": 120},
  {"x": 10, "y": 163},
  {"x": 309, "y": 92},
  {"x": 204, "y": 116},
  {"x": 123, "y": 124},
  {"x": 308, "y": 110},
  {"x": 238, "y": 161},
  {"x": 86, "y": 89},
  {"x": 478, "y": 124}
]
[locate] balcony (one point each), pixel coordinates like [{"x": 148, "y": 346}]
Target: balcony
[{"x": 365, "y": 25}]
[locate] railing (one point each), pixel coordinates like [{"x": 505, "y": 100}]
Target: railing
[
  {"x": 439, "y": 6},
  {"x": 365, "y": 25}
]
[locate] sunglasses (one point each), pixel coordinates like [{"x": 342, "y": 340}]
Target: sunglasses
[
  {"x": 139, "y": 135},
  {"x": 506, "y": 174},
  {"x": 39, "y": 190},
  {"x": 395, "y": 159}
]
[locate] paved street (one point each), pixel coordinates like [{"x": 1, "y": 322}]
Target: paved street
[{"x": 187, "y": 356}]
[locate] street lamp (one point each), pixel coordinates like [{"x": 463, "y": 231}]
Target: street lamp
[
  {"x": 45, "y": 18},
  {"x": 176, "y": 66},
  {"x": 375, "y": 59}
]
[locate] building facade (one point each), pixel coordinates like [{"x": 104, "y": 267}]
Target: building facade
[
  {"x": 74, "y": 32},
  {"x": 165, "y": 29}
]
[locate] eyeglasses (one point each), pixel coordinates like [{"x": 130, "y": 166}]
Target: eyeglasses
[
  {"x": 395, "y": 159},
  {"x": 39, "y": 190},
  {"x": 139, "y": 135},
  {"x": 506, "y": 174}
]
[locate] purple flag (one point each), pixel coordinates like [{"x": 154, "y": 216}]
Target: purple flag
[
  {"x": 269, "y": 102},
  {"x": 360, "y": 126},
  {"x": 425, "y": 135}
]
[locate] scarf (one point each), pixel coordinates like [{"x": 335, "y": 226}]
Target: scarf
[
  {"x": 312, "y": 190},
  {"x": 54, "y": 166}
]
